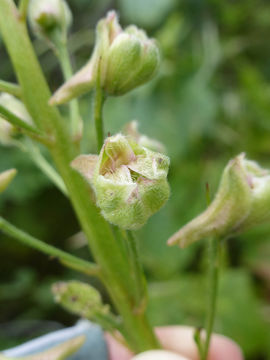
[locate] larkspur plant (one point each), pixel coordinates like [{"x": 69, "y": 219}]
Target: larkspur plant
[{"x": 116, "y": 190}]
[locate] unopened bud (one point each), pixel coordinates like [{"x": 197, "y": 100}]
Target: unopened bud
[
  {"x": 123, "y": 59},
  {"x": 49, "y": 19},
  {"x": 79, "y": 298},
  {"x": 130, "y": 181},
  {"x": 242, "y": 201},
  {"x": 6, "y": 177}
]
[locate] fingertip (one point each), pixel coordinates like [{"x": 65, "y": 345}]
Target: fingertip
[
  {"x": 116, "y": 351},
  {"x": 223, "y": 348}
]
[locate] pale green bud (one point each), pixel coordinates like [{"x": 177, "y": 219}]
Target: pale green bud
[
  {"x": 242, "y": 201},
  {"x": 131, "y": 129},
  {"x": 130, "y": 181},
  {"x": 158, "y": 355},
  {"x": 80, "y": 299},
  {"x": 11, "y": 103},
  {"x": 49, "y": 19},
  {"x": 6, "y": 132},
  {"x": 124, "y": 60},
  {"x": 15, "y": 106},
  {"x": 6, "y": 177}
]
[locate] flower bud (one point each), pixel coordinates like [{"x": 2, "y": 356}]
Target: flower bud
[
  {"x": 6, "y": 177},
  {"x": 131, "y": 129},
  {"x": 130, "y": 181},
  {"x": 80, "y": 299},
  {"x": 242, "y": 201},
  {"x": 49, "y": 18},
  {"x": 7, "y": 130},
  {"x": 123, "y": 59},
  {"x": 158, "y": 355}
]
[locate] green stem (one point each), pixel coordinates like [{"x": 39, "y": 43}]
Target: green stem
[
  {"x": 113, "y": 265},
  {"x": 10, "y": 88},
  {"x": 65, "y": 258},
  {"x": 23, "y": 7},
  {"x": 199, "y": 343},
  {"x": 16, "y": 121},
  {"x": 64, "y": 59},
  {"x": 46, "y": 167},
  {"x": 213, "y": 289},
  {"x": 137, "y": 273},
  {"x": 99, "y": 100}
]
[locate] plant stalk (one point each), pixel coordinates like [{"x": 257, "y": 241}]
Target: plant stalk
[
  {"x": 64, "y": 59},
  {"x": 65, "y": 258},
  {"x": 137, "y": 272},
  {"x": 99, "y": 100},
  {"x": 45, "y": 166},
  {"x": 10, "y": 88},
  {"x": 35, "y": 93},
  {"x": 213, "y": 254}
]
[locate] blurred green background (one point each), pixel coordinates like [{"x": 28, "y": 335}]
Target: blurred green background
[{"x": 209, "y": 102}]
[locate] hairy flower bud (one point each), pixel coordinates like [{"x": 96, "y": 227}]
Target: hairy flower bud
[
  {"x": 130, "y": 181},
  {"x": 6, "y": 177},
  {"x": 79, "y": 298},
  {"x": 49, "y": 19},
  {"x": 242, "y": 201},
  {"x": 123, "y": 59}
]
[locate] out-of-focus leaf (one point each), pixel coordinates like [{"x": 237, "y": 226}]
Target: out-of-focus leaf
[{"x": 146, "y": 13}]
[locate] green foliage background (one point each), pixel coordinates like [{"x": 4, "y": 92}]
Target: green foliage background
[{"x": 209, "y": 102}]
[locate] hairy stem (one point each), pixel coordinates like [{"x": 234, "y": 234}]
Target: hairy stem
[{"x": 65, "y": 258}]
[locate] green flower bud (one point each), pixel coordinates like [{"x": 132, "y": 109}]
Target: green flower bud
[
  {"x": 242, "y": 201},
  {"x": 49, "y": 19},
  {"x": 6, "y": 177},
  {"x": 80, "y": 299},
  {"x": 124, "y": 60},
  {"x": 11, "y": 103},
  {"x": 130, "y": 181},
  {"x": 131, "y": 129}
]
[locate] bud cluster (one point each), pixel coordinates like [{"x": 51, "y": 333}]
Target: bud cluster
[{"x": 121, "y": 61}]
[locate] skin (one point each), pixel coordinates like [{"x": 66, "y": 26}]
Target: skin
[{"x": 179, "y": 339}]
